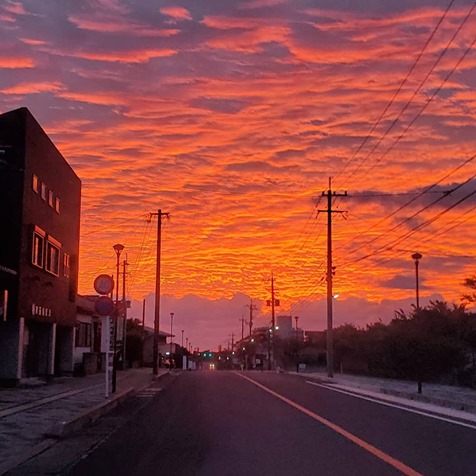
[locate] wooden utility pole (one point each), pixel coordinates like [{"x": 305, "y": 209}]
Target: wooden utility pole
[
  {"x": 330, "y": 272},
  {"x": 242, "y": 320},
  {"x": 143, "y": 332},
  {"x": 273, "y": 303},
  {"x": 252, "y": 308},
  {"x": 124, "y": 310},
  {"x": 159, "y": 216}
]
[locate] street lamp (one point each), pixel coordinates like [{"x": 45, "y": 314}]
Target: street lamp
[
  {"x": 118, "y": 249},
  {"x": 171, "y": 326},
  {"x": 417, "y": 257}
]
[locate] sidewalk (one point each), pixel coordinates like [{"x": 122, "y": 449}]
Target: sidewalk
[
  {"x": 456, "y": 398},
  {"x": 33, "y": 417}
]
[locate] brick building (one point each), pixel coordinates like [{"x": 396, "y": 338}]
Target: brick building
[{"x": 40, "y": 200}]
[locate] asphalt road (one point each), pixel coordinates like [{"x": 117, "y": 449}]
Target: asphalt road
[{"x": 222, "y": 423}]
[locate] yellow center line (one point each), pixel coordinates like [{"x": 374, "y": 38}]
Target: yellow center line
[{"x": 402, "y": 467}]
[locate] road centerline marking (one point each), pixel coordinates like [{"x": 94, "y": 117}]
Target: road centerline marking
[{"x": 399, "y": 465}]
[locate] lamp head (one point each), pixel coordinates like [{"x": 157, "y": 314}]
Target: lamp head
[
  {"x": 417, "y": 256},
  {"x": 118, "y": 248}
]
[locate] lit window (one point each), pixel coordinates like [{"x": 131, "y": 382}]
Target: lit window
[
  {"x": 53, "y": 248},
  {"x": 66, "y": 265},
  {"x": 57, "y": 205},
  {"x": 50, "y": 199},
  {"x": 38, "y": 248},
  {"x": 43, "y": 191},
  {"x": 36, "y": 184}
]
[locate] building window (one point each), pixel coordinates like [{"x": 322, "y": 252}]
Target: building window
[
  {"x": 53, "y": 248},
  {"x": 38, "y": 248},
  {"x": 66, "y": 265},
  {"x": 83, "y": 334},
  {"x": 57, "y": 205},
  {"x": 50, "y": 199},
  {"x": 43, "y": 191},
  {"x": 36, "y": 184}
]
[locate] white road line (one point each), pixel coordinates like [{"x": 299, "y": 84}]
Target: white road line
[
  {"x": 395, "y": 405},
  {"x": 399, "y": 465}
]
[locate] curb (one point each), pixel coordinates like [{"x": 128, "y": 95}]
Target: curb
[
  {"x": 64, "y": 428},
  {"x": 440, "y": 402}
]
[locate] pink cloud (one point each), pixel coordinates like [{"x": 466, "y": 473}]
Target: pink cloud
[{"x": 177, "y": 13}]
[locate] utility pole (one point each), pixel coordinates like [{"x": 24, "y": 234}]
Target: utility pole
[
  {"x": 159, "y": 216},
  {"x": 242, "y": 320},
  {"x": 273, "y": 303},
  {"x": 232, "y": 341},
  {"x": 252, "y": 308},
  {"x": 143, "y": 332},
  {"x": 124, "y": 310},
  {"x": 330, "y": 272}
]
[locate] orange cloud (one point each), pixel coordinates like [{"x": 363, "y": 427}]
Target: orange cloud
[
  {"x": 16, "y": 62},
  {"x": 33, "y": 88},
  {"x": 233, "y": 121}
]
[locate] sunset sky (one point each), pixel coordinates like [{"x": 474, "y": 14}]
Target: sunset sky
[{"x": 231, "y": 115}]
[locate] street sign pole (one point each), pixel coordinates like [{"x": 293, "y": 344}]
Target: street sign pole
[
  {"x": 106, "y": 329},
  {"x": 104, "y": 306}
]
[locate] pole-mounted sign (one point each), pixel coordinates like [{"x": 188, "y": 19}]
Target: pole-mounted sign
[
  {"x": 104, "y": 284},
  {"x": 104, "y": 306}
]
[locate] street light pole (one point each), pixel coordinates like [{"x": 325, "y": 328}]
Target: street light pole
[
  {"x": 118, "y": 249},
  {"x": 182, "y": 338},
  {"x": 171, "y": 328},
  {"x": 417, "y": 257}
]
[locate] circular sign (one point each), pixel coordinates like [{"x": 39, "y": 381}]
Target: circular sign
[
  {"x": 104, "y": 284},
  {"x": 104, "y": 306}
]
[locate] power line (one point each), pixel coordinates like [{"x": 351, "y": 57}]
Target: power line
[
  {"x": 402, "y": 83},
  {"x": 423, "y": 108},
  {"x": 392, "y": 244},
  {"x": 419, "y": 195}
]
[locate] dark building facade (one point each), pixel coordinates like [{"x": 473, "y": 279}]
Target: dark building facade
[{"x": 40, "y": 202}]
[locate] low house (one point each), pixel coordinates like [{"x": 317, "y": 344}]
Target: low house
[
  {"x": 87, "y": 342},
  {"x": 148, "y": 346}
]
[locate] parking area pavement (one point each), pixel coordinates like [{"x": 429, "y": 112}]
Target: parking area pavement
[{"x": 34, "y": 416}]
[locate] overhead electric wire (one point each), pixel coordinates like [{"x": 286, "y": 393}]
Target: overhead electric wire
[
  {"x": 405, "y": 107},
  {"x": 108, "y": 227},
  {"x": 388, "y": 246},
  {"x": 423, "y": 192},
  {"x": 402, "y": 83},
  {"x": 422, "y": 109}
]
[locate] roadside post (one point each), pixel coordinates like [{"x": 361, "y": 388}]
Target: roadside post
[{"x": 104, "y": 306}]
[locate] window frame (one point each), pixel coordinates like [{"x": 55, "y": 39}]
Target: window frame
[
  {"x": 83, "y": 336},
  {"x": 35, "y": 184},
  {"x": 52, "y": 266},
  {"x": 38, "y": 252},
  {"x": 57, "y": 205},
  {"x": 43, "y": 191},
  {"x": 50, "y": 198},
  {"x": 66, "y": 265}
]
